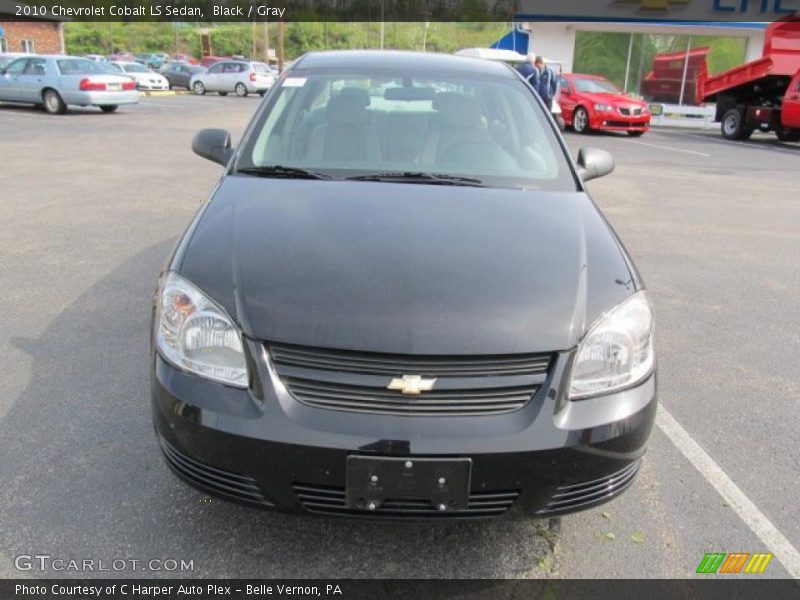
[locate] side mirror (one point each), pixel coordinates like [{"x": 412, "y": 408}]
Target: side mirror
[
  {"x": 2, "y": 71},
  {"x": 594, "y": 163},
  {"x": 213, "y": 144},
  {"x": 565, "y": 91}
]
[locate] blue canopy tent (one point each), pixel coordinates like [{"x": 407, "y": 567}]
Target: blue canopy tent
[{"x": 515, "y": 40}]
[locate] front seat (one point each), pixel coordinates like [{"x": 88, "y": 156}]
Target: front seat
[
  {"x": 346, "y": 134},
  {"x": 460, "y": 137}
]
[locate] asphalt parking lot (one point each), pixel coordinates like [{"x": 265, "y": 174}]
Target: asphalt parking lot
[{"x": 90, "y": 205}]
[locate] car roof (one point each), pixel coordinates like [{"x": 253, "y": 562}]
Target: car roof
[{"x": 400, "y": 59}]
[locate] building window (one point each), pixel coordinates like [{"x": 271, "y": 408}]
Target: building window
[
  {"x": 3, "y": 45},
  {"x": 28, "y": 46}
]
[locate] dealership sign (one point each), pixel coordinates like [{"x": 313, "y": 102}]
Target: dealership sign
[{"x": 658, "y": 10}]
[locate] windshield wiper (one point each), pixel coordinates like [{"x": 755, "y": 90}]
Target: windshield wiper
[
  {"x": 279, "y": 171},
  {"x": 419, "y": 177}
]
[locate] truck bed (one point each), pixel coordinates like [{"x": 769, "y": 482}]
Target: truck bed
[{"x": 781, "y": 60}]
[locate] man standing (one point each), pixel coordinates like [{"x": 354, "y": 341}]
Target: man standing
[
  {"x": 545, "y": 82},
  {"x": 529, "y": 71}
]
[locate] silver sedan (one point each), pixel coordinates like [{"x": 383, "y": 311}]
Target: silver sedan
[{"x": 55, "y": 81}]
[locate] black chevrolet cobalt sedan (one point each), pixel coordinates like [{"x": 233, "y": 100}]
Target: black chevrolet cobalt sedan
[{"x": 400, "y": 302}]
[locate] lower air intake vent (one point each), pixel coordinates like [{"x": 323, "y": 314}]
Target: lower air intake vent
[
  {"x": 568, "y": 498},
  {"x": 331, "y": 501},
  {"x": 213, "y": 480}
]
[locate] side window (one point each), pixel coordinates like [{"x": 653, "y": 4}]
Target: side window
[
  {"x": 17, "y": 67},
  {"x": 36, "y": 66},
  {"x": 215, "y": 68}
]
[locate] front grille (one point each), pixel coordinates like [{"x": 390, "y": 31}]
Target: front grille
[
  {"x": 568, "y": 498},
  {"x": 397, "y": 364},
  {"x": 630, "y": 111},
  {"x": 331, "y": 501},
  {"x": 211, "y": 479},
  {"x": 357, "y": 381}
]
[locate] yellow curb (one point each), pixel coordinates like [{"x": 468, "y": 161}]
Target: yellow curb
[{"x": 162, "y": 93}]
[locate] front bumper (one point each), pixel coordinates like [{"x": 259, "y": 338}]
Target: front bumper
[
  {"x": 264, "y": 448},
  {"x": 614, "y": 121}
]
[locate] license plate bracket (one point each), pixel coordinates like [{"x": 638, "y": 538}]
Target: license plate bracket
[{"x": 443, "y": 482}]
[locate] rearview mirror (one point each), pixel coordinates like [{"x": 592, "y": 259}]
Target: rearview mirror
[
  {"x": 594, "y": 163},
  {"x": 213, "y": 144}
]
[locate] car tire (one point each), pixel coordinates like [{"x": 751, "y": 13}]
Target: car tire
[
  {"x": 199, "y": 88},
  {"x": 109, "y": 108},
  {"x": 262, "y": 93},
  {"x": 788, "y": 134},
  {"x": 580, "y": 120},
  {"x": 53, "y": 103},
  {"x": 223, "y": 93},
  {"x": 636, "y": 133},
  {"x": 733, "y": 127},
  {"x": 241, "y": 90}
]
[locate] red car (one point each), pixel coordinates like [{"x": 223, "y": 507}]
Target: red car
[{"x": 592, "y": 102}]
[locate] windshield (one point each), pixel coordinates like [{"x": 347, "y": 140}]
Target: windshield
[
  {"x": 135, "y": 68},
  {"x": 80, "y": 66},
  {"x": 357, "y": 124},
  {"x": 596, "y": 86}
]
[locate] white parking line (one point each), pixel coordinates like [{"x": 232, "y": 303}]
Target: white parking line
[
  {"x": 669, "y": 148},
  {"x": 756, "y": 520},
  {"x": 752, "y": 145}
]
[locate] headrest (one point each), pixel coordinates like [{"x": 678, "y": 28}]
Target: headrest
[
  {"x": 458, "y": 110},
  {"x": 348, "y": 107}
]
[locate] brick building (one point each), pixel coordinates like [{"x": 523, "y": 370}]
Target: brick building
[{"x": 41, "y": 36}]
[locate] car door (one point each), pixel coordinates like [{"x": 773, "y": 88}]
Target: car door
[
  {"x": 227, "y": 77},
  {"x": 211, "y": 79},
  {"x": 566, "y": 99},
  {"x": 790, "y": 113},
  {"x": 9, "y": 81},
  {"x": 181, "y": 76},
  {"x": 32, "y": 79}
]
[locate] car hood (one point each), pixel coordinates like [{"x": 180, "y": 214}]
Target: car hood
[
  {"x": 615, "y": 100},
  {"x": 406, "y": 268}
]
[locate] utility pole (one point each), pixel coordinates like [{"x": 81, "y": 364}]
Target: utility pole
[
  {"x": 383, "y": 25},
  {"x": 280, "y": 45},
  {"x": 266, "y": 40}
]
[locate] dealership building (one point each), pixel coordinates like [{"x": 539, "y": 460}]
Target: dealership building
[{"x": 42, "y": 36}]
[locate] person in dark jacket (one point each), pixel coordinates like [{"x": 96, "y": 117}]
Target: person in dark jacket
[
  {"x": 528, "y": 70},
  {"x": 545, "y": 82}
]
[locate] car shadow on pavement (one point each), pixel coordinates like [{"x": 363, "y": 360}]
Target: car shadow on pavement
[{"x": 82, "y": 476}]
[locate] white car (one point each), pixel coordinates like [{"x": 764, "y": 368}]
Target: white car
[{"x": 145, "y": 78}]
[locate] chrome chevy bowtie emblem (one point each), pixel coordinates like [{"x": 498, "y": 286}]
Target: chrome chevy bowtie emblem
[{"x": 411, "y": 384}]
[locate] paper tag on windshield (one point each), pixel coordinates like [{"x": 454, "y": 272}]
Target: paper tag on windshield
[{"x": 294, "y": 82}]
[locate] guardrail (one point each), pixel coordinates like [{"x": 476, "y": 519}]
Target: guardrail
[{"x": 674, "y": 115}]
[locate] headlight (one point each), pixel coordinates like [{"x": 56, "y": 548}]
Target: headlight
[
  {"x": 196, "y": 335},
  {"x": 617, "y": 352},
  {"x": 603, "y": 108}
]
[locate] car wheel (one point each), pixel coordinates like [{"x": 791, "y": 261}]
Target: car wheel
[
  {"x": 262, "y": 93},
  {"x": 53, "y": 102},
  {"x": 788, "y": 134},
  {"x": 636, "y": 133},
  {"x": 580, "y": 120},
  {"x": 199, "y": 88},
  {"x": 223, "y": 93},
  {"x": 733, "y": 125},
  {"x": 241, "y": 90},
  {"x": 109, "y": 108}
]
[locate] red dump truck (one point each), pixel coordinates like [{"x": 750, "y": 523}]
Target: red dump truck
[{"x": 764, "y": 94}]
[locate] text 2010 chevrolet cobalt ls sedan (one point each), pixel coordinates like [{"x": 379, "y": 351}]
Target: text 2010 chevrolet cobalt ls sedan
[{"x": 399, "y": 301}]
